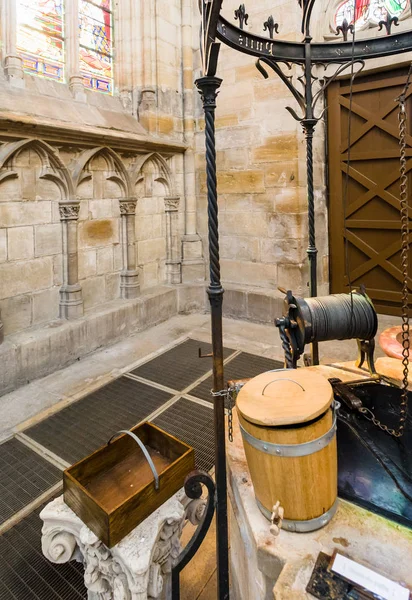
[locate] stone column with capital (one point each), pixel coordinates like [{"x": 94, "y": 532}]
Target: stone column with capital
[
  {"x": 129, "y": 283},
  {"x": 173, "y": 254},
  {"x": 71, "y": 300},
  {"x": 13, "y": 63}
]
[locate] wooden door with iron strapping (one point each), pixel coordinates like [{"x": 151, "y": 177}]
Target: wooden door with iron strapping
[{"x": 364, "y": 218}]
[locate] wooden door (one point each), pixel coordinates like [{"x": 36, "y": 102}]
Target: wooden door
[{"x": 364, "y": 220}]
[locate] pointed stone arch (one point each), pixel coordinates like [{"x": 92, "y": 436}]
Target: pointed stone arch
[
  {"x": 53, "y": 168},
  {"x": 164, "y": 173},
  {"x": 116, "y": 170}
]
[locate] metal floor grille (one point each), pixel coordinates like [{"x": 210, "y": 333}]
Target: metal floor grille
[
  {"x": 84, "y": 426},
  {"x": 193, "y": 424},
  {"x": 179, "y": 367},
  {"x": 25, "y": 574},
  {"x": 24, "y": 476},
  {"x": 242, "y": 366}
]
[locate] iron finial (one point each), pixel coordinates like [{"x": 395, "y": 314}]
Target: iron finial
[
  {"x": 390, "y": 20},
  {"x": 242, "y": 15},
  {"x": 271, "y": 26},
  {"x": 344, "y": 29}
]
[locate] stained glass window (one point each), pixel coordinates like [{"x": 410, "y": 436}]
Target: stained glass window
[
  {"x": 368, "y": 11},
  {"x": 40, "y": 40},
  {"x": 96, "y": 46}
]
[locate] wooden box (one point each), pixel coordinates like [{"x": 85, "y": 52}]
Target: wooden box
[{"x": 113, "y": 489}]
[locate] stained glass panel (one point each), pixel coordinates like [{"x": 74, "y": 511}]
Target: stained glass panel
[
  {"x": 95, "y": 35},
  {"x": 40, "y": 40},
  {"x": 368, "y": 11}
]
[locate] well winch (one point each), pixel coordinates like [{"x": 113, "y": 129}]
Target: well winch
[{"x": 333, "y": 317}]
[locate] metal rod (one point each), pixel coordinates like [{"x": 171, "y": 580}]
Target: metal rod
[
  {"x": 208, "y": 87},
  {"x": 308, "y": 124}
]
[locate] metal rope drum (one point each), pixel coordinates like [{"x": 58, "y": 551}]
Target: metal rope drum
[{"x": 325, "y": 318}]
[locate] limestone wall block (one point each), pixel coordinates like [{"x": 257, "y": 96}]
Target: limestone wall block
[
  {"x": 235, "y": 303},
  {"x": 282, "y": 173},
  {"x": 249, "y": 273},
  {"x": 45, "y": 305},
  {"x": 236, "y": 137},
  {"x": 25, "y": 213},
  {"x": 99, "y": 232},
  {"x": 57, "y": 269},
  {"x": 3, "y": 245},
  {"x": 239, "y": 247},
  {"x": 112, "y": 286},
  {"x": 281, "y": 251},
  {"x": 230, "y": 182},
  {"x": 287, "y": 226},
  {"x": 150, "y": 275},
  {"x": 104, "y": 260},
  {"x": 100, "y": 209},
  {"x": 231, "y": 158},
  {"x": 151, "y": 250},
  {"x": 10, "y": 190},
  {"x": 16, "y": 313},
  {"x": 264, "y": 308},
  {"x": 117, "y": 257},
  {"x": 94, "y": 291},
  {"x": 244, "y": 223},
  {"x": 282, "y": 147},
  {"x": 47, "y": 239},
  {"x": 235, "y": 202},
  {"x": 144, "y": 227},
  {"x": 87, "y": 263},
  {"x": 294, "y": 277},
  {"x": 20, "y": 242},
  {"x": 26, "y": 276},
  {"x": 290, "y": 199},
  {"x": 47, "y": 189}
]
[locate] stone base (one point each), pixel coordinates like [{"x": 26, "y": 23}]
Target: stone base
[
  {"x": 71, "y": 302},
  {"x": 193, "y": 270},
  {"x": 13, "y": 68},
  {"x": 37, "y": 352},
  {"x": 174, "y": 272},
  {"x": 264, "y": 567},
  {"x": 129, "y": 285},
  {"x": 138, "y": 567}
]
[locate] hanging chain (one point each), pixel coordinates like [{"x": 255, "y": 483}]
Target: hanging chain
[
  {"x": 368, "y": 414},
  {"x": 229, "y": 398}
]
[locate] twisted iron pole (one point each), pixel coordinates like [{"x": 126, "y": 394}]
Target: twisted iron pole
[{"x": 208, "y": 87}]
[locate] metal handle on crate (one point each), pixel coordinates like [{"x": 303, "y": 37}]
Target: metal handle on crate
[{"x": 145, "y": 452}]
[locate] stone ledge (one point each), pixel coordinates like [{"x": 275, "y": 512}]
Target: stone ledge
[
  {"x": 40, "y": 351},
  {"x": 253, "y": 304}
]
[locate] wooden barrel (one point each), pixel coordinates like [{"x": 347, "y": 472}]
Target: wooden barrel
[{"x": 288, "y": 426}]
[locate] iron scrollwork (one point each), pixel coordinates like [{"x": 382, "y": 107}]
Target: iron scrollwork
[{"x": 193, "y": 490}]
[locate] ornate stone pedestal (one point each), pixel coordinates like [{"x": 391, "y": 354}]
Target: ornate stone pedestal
[{"x": 138, "y": 567}]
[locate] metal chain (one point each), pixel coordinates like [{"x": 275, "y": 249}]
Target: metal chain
[
  {"x": 367, "y": 413},
  {"x": 229, "y": 395}
]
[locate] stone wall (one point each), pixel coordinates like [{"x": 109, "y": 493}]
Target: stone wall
[{"x": 261, "y": 167}]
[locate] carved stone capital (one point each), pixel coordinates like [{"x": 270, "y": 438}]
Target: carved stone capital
[
  {"x": 69, "y": 211},
  {"x": 131, "y": 570},
  {"x": 172, "y": 203},
  {"x": 128, "y": 206}
]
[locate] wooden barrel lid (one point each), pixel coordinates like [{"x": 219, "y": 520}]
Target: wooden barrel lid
[{"x": 284, "y": 397}]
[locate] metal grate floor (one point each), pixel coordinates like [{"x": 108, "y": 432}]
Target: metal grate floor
[
  {"x": 193, "y": 424},
  {"x": 25, "y": 574},
  {"x": 179, "y": 367},
  {"x": 242, "y": 366},
  {"x": 24, "y": 476},
  {"x": 84, "y": 426}
]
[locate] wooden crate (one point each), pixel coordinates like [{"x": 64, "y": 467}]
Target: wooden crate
[{"x": 113, "y": 489}]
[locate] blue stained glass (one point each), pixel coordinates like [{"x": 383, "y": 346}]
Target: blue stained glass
[
  {"x": 40, "y": 40},
  {"x": 95, "y": 36}
]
